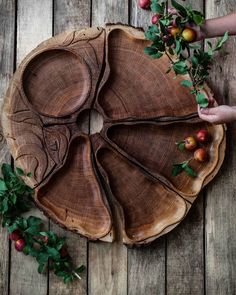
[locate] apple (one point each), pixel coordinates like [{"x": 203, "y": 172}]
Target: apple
[
  {"x": 63, "y": 251},
  {"x": 144, "y": 4},
  {"x": 190, "y": 143},
  {"x": 155, "y": 19},
  {"x": 19, "y": 245},
  {"x": 175, "y": 31},
  {"x": 15, "y": 235},
  {"x": 201, "y": 155},
  {"x": 203, "y": 136},
  {"x": 189, "y": 35}
]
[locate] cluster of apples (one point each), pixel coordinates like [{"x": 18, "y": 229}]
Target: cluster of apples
[
  {"x": 188, "y": 34},
  {"x": 16, "y": 236},
  {"x": 190, "y": 143},
  {"x": 18, "y": 239}
]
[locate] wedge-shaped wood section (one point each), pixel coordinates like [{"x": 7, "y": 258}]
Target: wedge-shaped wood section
[
  {"x": 117, "y": 183},
  {"x": 153, "y": 146},
  {"x": 73, "y": 193}
]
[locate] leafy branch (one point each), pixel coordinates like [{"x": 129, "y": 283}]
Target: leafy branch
[
  {"x": 49, "y": 250},
  {"x": 184, "y": 166},
  {"x": 171, "y": 35}
]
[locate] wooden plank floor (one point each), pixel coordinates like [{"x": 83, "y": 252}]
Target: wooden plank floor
[{"x": 199, "y": 256}]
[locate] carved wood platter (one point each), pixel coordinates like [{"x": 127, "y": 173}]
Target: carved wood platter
[{"x": 115, "y": 183}]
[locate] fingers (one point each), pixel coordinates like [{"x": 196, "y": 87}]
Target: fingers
[{"x": 207, "y": 114}]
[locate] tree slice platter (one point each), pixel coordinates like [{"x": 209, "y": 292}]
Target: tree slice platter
[{"x": 115, "y": 183}]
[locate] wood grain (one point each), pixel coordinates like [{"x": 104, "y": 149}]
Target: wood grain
[
  {"x": 71, "y": 15},
  {"x": 47, "y": 140},
  {"x": 107, "y": 263},
  {"x": 220, "y": 229},
  {"x": 146, "y": 266},
  {"x": 7, "y": 44},
  {"x": 185, "y": 246},
  {"x": 34, "y": 24}
]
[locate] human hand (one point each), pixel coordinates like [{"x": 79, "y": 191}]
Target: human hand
[{"x": 218, "y": 115}]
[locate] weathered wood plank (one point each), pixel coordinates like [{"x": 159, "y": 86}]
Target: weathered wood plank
[
  {"x": 146, "y": 269},
  {"x": 34, "y": 24},
  {"x": 185, "y": 245},
  {"x": 107, "y": 262},
  {"x": 220, "y": 227},
  {"x": 109, "y": 11},
  {"x": 139, "y": 17},
  {"x": 71, "y": 15},
  {"x": 146, "y": 266},
  {"x": 7, "y": 40}
]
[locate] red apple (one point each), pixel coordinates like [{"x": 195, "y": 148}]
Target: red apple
[
  {"x": 203, "y": 136},
  {"x": 144, "y": 4},
  {"x": 19, "y": 245},
  {"x": 63, "y": 251},
  {"x": 190, "y": 143},
  {"x": 155, "y": 19},
  {"x": 15, "y": 235},
  {"x": 175, "y": 31},
  {"x": 189, "y": 35},
  {"x": 201, "y": 155}
]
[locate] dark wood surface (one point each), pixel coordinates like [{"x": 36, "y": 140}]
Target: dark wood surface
[{"x": 196, "y": 258}]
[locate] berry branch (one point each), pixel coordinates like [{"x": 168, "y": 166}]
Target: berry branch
[
  {"x": 172, "y": 32},
  {"x": 49, "y": 250}
]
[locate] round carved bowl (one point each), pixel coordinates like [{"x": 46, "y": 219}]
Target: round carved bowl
[{"x": 116, "y": 182}]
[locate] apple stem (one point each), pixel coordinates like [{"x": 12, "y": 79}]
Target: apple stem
[{"x": 75, "y": 273}]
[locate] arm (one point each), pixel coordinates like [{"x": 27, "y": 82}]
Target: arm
[
  {"x": 218, "y": 115},
  {"x": 216, "y": 27}
]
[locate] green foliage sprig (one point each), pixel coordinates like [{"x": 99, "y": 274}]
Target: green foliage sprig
[
  {"x": 184, "y": 166},
  {"x": 185, "y": 58},
  {"x": 49, "y": 250}
]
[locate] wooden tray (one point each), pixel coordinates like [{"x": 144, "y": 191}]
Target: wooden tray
[{"x": 115, "y": 183}]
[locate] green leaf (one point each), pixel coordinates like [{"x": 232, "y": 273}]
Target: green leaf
[
  {"x": 178, "y": 46},
  {"x": 181, "y": 146},
  {"x": 150, "y": 50},
  {"x": 41, "y": 267},
  {"x": 202, "y": 100},
  {"x": 158, "y": 8},
  {"x": 61, "y": 273},
  {"x": 5, "y": 206},
  {"x": 12, "y": 228},
  {"x": 80, "y": 269},
  {"x": 13, "y": 198},
  {"x": 198, "y": 18},
  {"x": 186, "y": 83},
  {"x": 29, "y": 174},
  {"x": 189, "y": 171},
  {"x": 68, "y": 279},
  {"x": 26, "y": 250},
  {"x": 194, "y": 46},
  {"x": 33, "y": 230},
  {"x": 42, "y": 257},
  {"x": 180, "y": 67},
  {"x": 19, "y": 171},
  {"x": 194, "y": 61},
  {"x": 53, "y": 253},
  {"x": 34, "y": 221},
  {"x": 221, "y": 41},
  {"x": 157, "y": 55},
  {"x": 7, "y": 171},
  {"x": 3, "y": 186},
  {"x": 181, "y": 9},
  {"x": 177, "y": 169}
]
